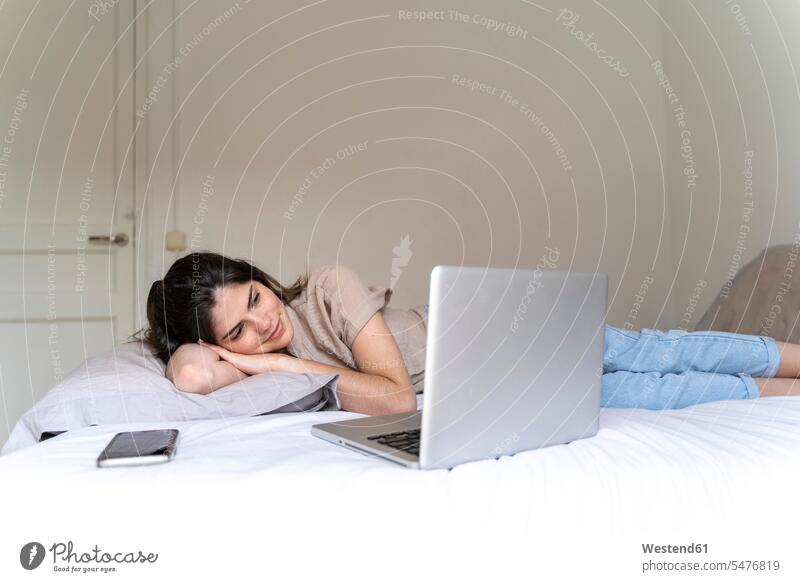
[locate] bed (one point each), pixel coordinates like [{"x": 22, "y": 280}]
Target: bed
[
  {"x": 264, "y": 484},
  {"x": 249, "y": 492}
]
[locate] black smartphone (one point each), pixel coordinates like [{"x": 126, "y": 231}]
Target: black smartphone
[{"x": 140, "y": 447}]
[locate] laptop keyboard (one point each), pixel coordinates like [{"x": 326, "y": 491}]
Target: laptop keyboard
[{"x": 405, "y": 440}]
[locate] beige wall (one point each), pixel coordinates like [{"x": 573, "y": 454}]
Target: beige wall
[
  {"x": 734, "y": 67},
  {"x": 467, "y": 175}
]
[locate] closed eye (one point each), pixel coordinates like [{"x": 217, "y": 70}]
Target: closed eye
[{"x": 254, "y": 301}]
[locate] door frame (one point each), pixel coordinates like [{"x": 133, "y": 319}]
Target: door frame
[{"x": 155, "y": 45}]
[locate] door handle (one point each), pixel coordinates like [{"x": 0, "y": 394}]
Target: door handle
[{"x": 120, "y": 239}]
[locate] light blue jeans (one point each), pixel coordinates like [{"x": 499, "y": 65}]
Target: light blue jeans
[{"x": 673, "y": 369}]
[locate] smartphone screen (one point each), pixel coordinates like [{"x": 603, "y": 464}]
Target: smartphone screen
[{"x": 139, "y": 447}]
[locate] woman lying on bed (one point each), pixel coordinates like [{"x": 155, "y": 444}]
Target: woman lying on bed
[{"x": 215, "y": 320}]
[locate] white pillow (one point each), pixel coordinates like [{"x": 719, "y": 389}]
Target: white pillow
[{"x": 127, "y": 384}]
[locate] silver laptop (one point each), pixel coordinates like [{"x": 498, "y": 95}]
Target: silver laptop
[{"x": 513, "y": 362}]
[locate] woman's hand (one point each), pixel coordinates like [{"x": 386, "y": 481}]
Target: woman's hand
[
  {"x": 196, "y": 368},
  {"x": 254, "y": 363}
]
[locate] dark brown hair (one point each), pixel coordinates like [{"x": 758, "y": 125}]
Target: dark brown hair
[{"x": 179, "y": 306}]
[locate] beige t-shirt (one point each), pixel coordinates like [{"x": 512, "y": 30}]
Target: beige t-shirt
[{"x": 334, "y": 307}]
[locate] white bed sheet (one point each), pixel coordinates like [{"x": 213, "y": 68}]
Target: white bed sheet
[
  {"x": 709, "y": 463},
  {"x": 261, "y": 492}
]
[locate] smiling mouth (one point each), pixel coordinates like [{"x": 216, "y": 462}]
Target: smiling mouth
[{"x": 278, "y": 330}]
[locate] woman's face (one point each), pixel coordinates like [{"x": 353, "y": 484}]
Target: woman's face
[{"x": 244, "y": 317}]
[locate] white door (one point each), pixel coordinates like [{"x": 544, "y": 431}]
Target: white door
[{"x": 66, "y": 123}]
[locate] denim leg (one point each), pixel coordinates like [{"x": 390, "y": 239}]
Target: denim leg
[
  {"x": 426, "y": 310},
  {"x": 677, "y": 351},
  {"x": 654, "y": 391}
]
